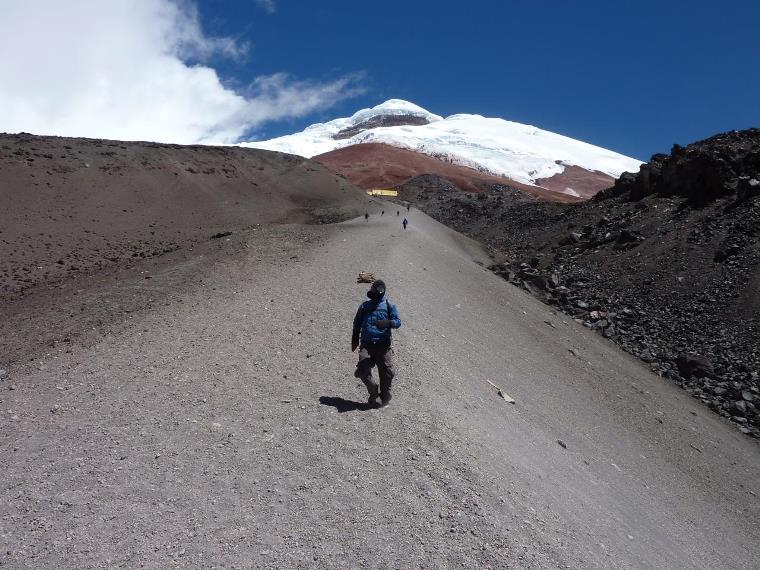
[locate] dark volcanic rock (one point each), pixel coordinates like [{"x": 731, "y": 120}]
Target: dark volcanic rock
[
  {"x": 380, "y": 121},
  {"x": 701, "y": 172},
  {"x": 694, "y": 365},
  {"x": 627, "y": 236},
  {"x": 666, "y": 263},
  {"x": 747, "y": 188}
]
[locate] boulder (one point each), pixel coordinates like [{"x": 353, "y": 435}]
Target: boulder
[
  {"x": 647, "y": 356},
  {"x": 535, "y": 279},
  {"x": 739, "y": 408},
  {"x": 690, "y": 364},
  {"x": 629, "y": 236},
  {"x": 747, "y": 188},
  {"x": 571, "y": 239}
]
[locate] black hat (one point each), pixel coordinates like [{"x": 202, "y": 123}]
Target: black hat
[{"x": 377, "y": 289}]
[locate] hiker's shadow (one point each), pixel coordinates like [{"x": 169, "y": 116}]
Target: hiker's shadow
[{"x": 343, "y": 405}]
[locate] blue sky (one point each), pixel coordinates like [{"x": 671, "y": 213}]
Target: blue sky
[{"x": 635, "y": 77}]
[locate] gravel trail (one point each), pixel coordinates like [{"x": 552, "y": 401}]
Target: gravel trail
[{"x": 223, "y": 428}]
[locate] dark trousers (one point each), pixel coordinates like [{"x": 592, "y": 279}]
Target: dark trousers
[{"x": 380, "y": 355}]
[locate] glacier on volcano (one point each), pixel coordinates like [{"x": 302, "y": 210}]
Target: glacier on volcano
[{"x": 523, "y": 153}]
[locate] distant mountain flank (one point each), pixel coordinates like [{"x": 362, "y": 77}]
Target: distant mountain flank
[
  {"x": 377, "y": 165},
  {"x": 520, "y": 155}
]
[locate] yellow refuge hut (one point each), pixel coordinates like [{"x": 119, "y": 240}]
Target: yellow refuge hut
[{"x": 382, "y": 192}]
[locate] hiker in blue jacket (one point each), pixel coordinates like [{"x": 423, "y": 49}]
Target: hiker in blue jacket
[{"x": 372, "y": 334}]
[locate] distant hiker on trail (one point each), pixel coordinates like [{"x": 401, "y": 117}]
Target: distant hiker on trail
[
  {"x": 397, "y": 212},
  {"x": 366, "y": 216},
  {"x": 372, "y": 334},
  {"x": 382, "y": 213},
  {"x": 405, "y": 223},
  {"x": 408, "y": 207}
]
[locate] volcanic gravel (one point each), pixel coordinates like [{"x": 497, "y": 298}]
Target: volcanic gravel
[{"x": 217, "y": 423}]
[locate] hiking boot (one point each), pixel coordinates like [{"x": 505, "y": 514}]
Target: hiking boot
[
  {"x": 384, "y": 402},
  {"x": 373, "y": 402}
]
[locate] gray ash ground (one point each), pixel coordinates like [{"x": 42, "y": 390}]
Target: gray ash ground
[{"x": 666, "y": 263}]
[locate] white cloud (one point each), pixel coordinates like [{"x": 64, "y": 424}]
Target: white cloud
[
  {"x": 117, "y": 69},
  {"x": 267, "y": 5}
]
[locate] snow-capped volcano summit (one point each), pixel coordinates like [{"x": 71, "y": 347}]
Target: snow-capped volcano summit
[
  {"x": 392, "y": 108},
  {"x": 324, "y": 137},
  {"x": 519, "y": 152}
]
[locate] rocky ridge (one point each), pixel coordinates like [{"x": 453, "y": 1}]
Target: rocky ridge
[
  {"x": 380, "y": 121},
  {"x": 666, "y": 263}
]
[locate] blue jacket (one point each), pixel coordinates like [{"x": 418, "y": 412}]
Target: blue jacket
[{"x": 368, "y": 314}]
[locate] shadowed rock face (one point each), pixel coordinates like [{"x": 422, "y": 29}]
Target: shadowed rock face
[
  {"x": 701, "y": 172},
  {"x": 381, "y": 121}
]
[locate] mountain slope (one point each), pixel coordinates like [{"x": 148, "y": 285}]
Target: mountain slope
[
  {"x": 222, "y": 426},
  {"x": 71, "y": 206},
  {"x": 522, "y": 153},
  {"x": 375, "y": 165}
]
